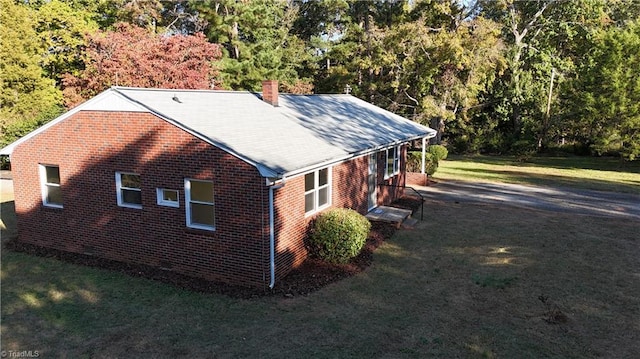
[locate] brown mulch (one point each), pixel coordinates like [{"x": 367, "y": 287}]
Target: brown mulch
[
  {"x": 311, "y": 276},
  {"x": 314, "y": 273}
]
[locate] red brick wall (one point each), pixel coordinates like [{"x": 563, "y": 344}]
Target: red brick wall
[
  {"x": 349, "y": 189},
  {"x": 417, "y": 178},
  {"x": 90, "y": 147}
]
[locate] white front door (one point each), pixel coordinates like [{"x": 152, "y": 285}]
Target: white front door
[{"x": 373, "y": 181}]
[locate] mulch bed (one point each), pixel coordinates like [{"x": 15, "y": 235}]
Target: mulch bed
[{"x": 312, "y": 275}]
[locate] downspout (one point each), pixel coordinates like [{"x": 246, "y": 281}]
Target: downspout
[
  {"x": 272, "y": 234},
  {"x": 424, "y": 144}
]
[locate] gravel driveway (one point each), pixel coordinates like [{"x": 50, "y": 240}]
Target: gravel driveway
[{"x": 566, "y": 200}]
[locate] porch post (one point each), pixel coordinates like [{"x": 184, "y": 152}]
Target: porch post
[{"x": 424, "y": 144}]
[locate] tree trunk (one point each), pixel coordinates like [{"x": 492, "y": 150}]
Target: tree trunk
[{"x": 437, "y": 123}]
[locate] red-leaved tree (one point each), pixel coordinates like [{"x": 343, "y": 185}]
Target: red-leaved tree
[{"x": 132, "y": 56}]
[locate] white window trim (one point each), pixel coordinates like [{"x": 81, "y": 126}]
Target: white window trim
[
  {"x": 396, "y": 161},
  {"x": 44, "y": 185},
  {"x": 119, "y": 187},
  {"x": 163, "y": 202},
  {"x": 316, "y": 190},
  {"x": 188, "y": 201}
]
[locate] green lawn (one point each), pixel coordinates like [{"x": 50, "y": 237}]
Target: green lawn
[
  {"x": 470, "y": 281},
  {"x": 607, "y": 174}
]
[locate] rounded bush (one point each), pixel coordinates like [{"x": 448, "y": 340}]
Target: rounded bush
[
  {"x": 339, "y": 235},
  {"x": 414, "y": 162},
  {"x": 431, "y": 164},
  {"x": 439, "y": 152}
]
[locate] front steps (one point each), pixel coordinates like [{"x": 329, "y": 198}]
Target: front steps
[{"x": 399, "y": 217}]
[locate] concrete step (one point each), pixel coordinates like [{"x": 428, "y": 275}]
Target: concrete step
[{"x": 389, "y": 214}]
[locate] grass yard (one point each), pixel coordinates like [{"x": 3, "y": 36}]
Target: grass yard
[
  {"x": 471, "y": 281},
  {"x": 606, "y": 174}
]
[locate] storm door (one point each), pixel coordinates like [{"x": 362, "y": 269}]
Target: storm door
[{"x": 373, "y": 181}]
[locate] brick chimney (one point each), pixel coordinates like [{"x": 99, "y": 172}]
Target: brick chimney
[{"x": 270, "y": 92}]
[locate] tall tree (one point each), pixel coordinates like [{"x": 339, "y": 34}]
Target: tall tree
[
  {"x": 62, "y": 30},
  {"x": 425, "y": 60},
  {"x": 351, "y": 48},
  {"x": 523, "y": 22},
  {"x": 545, "y": 38},
  {"x": 440, "y": 72},
  {"x": 604, "y": 97},
  {"x": 257, "y": 42},
  {"x": 133, "y": 56},
  {"x": 25, "y": 91}
]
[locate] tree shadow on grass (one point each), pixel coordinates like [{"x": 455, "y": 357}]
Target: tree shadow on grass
[
  {"x": 311, "y": 276},
  {"x": 8, "y": 218}
]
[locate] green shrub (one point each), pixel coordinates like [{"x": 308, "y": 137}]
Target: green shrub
[
  {"x": 439, "y": 152},
  {"x": 339, "y": 235},
  {"x": 431, "y": 165},
  {"x": 523, "y": 150},
  {"x": 414, "y": 162},
  {"x": 414, "y": 159}
]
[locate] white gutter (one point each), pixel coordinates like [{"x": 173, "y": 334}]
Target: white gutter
[
  {"x": 272, "y": 234},
  {"x": 350, "y": 156}
]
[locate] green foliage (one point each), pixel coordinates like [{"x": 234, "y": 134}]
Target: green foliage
[
  {"x": 431, "y": 158},
  {"x": 14, "y": 130},
  {"x": 258, "y": 43},
  {"x": 11, "y": 131},
  {"x": 431, "y": 164},
  {"x": 543, "y": 38},
  {"x": 604, "y": 100},
  {"x": 24, "y": 90},
  {"x": 480, "y": 75},
  {"x": 439, "y": 152},
  {"x": 523, "y": 149},
  {"x": 61, "y": 30},
  {"x": 433, "y": 155},
  {"x": 414, "y": 162},
  {"x": 339, "y": 234}
]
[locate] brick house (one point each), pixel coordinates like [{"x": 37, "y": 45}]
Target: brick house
[{"x": 219, "y": 185}]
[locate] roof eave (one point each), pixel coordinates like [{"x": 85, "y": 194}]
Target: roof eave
[{"x": 353, "y": 155}]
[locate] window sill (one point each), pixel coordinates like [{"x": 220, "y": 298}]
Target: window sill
[
  {"x": 51, "y": 207},
  {"x": 130, "y": 206},
  {"x": 316, "y": 211},
  {"x": 200, "y": 231},
  {"x": 169, "y": 204}
]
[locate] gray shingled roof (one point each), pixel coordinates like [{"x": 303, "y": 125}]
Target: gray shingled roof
[{"x": 303, "y": 132}]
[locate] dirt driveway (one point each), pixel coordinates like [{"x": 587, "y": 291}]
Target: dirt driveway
[{"x": 558, "y": 199}]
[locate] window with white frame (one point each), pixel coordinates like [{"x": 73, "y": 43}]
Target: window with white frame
[
  {"x": 51, "y": 191},
  {"x": 200, "y": 207},
  {"x": 317, "y": 190},
  {"x": 392, "y": 167},
  {"x": 168, "y": 197},
  {"x": 129, "y": 190}
]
